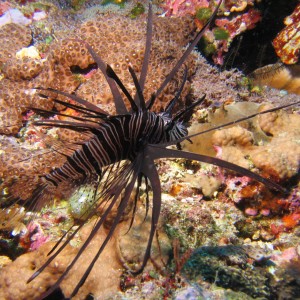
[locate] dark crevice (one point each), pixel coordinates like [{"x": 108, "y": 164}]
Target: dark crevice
[
  {"x": 253, "y": 49},
  {"x": 78, "y": 70}
]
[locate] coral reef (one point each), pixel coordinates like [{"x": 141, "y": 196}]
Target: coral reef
[
  {"x": 236, "y": 17},
  {"x": 14, "y": 16},
  {"x": 228, "y": 233},
  {"x": 266, "y": 156},
  {"x": 287, "y": 42},
  {"x": 68, "y": 66},
  {"x": 122, "y": 250},
  {"x": 253, "y": 143},
  {"x": 55, "y": 70},
  {"x": 285, "y": 74},
  {"x": 102, "y": 284},
  {"x": 131, "y": 244},
  {"x": 14, "y": 37},
  {"x": 217, "y": 264}
]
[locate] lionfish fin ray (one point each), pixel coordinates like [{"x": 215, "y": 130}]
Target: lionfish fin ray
[
  {"x": 119, "y": 103},
  {"x": 76, "y": 126},
  {"x": 181, "y": 114},
  {"x": 160, "y": 152},
  {"x": 111, "y": 73},
  {"x": 141, "y": 102},
  {"x": 146, "y": 58},
  {"x": 171, "y": 104},
  {"x": 149, "y": 170},
  {"x": 90, "y": 107},
  {"x": 244, "y": 119},
  {"x": 188, "y": 137},
  {"x": 187, "y": 51}
]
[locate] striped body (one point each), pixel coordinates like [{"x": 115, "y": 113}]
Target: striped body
[{"x": 120, "y": 137}]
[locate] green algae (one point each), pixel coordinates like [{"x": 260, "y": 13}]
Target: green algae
[
  {"x": 137, "y": 11},
  {"x": 121, "y": 3},
  {"x": 203, "y": 14},
  {"x": 221, "y": 34},
  {"x": 208, "y": 47},
  {"x": 48, "y": 39},
  {"x": 77, "y": 4}
]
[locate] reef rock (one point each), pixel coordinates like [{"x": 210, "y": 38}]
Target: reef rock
[
  {"x": 269, "y": 142},
  {"x": 13, "y": 284}
]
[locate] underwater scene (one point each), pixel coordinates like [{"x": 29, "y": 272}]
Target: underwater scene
[{"x": 149, "y": 149}]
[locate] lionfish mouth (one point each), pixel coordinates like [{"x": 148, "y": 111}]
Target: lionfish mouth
[{"x": 136, "y": 137}]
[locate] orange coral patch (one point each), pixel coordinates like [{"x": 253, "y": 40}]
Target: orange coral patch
[{"x": 292, "y": 220}]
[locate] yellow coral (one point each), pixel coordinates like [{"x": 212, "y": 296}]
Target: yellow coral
[
  {"x": 13, "y": 37},
  {"x": 233, "y": 136},
  {"x": 279, "y": 157},
  {"x": 102, "y": 284}
]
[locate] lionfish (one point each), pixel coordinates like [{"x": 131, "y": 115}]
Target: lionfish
[{"x": 119, "y": 157}]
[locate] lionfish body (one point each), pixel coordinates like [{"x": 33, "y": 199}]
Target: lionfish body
[
  {"x": 119, "y": 138},
  {"x": 136, "y": 137}
]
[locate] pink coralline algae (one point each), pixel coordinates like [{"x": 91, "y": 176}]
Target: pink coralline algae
[
  {"x": 240, "y": 23},
  {"x": 286, "y": 256},
  {"x": 237, "y": 18},
  {"x": 34, "y": 237},
  {"x": 14, "y": 15},
  {"x": 234, "y": 27},
  {"x": 4, "y": 6},
  {"x": 287, "y": 42},
  {"x": 183, "y": 7}
]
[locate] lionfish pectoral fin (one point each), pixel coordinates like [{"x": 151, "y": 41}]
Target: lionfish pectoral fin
[
  {"x": 160, "y": 152},
  {"x": 115, "y": 184},
  {"x": 121, "y": 209},
  {"x": 79, "y": 253},
  {"x": 70, "y": 234},
  {"x": 150, "y": 172}
]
